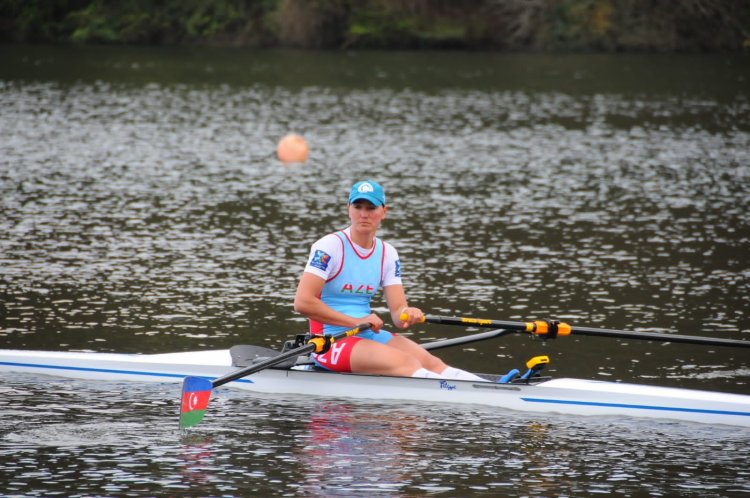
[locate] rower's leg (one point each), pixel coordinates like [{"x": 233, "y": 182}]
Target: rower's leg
[
  {"x": 426, "y": 360},
  {"x": 375, "y": 358},
  {"x": 458, "y": 374},
  {"x": 430, "y": 362}
]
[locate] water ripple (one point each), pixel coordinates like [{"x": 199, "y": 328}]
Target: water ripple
[{"x": 135, "y": 204}]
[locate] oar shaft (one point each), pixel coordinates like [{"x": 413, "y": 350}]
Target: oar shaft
[
  {"x": 540, "y": 327},
  {"x": 482, "y": 336},
  {"x": 314, "y": 345},
  {"x": 656, "y": 336},
  {"x": 474, "y": 322},
  {"x": 244, "y": 372}
]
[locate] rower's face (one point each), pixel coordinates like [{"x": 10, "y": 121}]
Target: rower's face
[{"x": 365, "y": 214}]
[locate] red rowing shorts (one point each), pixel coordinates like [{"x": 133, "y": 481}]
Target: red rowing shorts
[{"x": 337, "y": 359}]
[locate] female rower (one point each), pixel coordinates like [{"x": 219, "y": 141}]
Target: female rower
[{"x": 344, "y": 271}]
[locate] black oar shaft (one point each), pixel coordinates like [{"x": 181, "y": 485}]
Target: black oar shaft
[
  {"x": 475, "y": 322},
  {"x": 238, "y": 374},
  {"x": 656, "y": 336},
  {"x": 310, "y": 347},
  {"x": 622, "y": 334}
]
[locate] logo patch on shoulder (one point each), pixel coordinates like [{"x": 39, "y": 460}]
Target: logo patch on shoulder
[
  {"x": 397, "y": 273},
  {"x": 320, "y": 260}
]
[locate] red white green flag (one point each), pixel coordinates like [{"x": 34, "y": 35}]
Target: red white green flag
[{"x": 196, "y": 392}]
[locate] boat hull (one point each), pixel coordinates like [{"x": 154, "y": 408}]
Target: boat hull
[{"x": 565, "y": 396}]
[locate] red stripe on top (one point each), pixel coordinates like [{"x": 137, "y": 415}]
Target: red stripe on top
[
  {"x": 382, "y": 262},
  {"x": 316, "y": 327},
  {"x": 343, "y": 258},
  {"x": 365, "y": 256}
]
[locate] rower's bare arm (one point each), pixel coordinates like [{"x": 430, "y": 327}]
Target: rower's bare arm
[
  {"x": 397, "y": 304},
  {"x": 307, "y": 301}
]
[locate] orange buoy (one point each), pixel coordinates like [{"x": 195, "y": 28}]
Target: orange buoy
[{"x": 292, "y": 149}]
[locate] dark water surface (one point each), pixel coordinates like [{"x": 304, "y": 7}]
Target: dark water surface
[{"x": 142, "y": 210}]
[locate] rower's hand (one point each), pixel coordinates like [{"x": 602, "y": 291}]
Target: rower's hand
[
  {"x": 374, "y": 320},
  {"x": 409, "y": 316}
]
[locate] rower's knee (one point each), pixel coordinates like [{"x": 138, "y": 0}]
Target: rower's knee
[
  {"x": 434, "y": 363},
  {"x": 404, "y": 364}
]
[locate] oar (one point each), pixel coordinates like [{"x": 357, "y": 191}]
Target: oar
[
  {"x": 482, "y": 336},
  {"x": 550, "y": 329},
  {"x": 196, "y": 391}
]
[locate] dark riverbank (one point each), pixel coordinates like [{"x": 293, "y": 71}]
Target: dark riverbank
[{"x": 509, "y": 25}]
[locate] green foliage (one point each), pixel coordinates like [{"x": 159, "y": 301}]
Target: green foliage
[
  {"x": 94, "y": 25},
  {"x": 415, "y": 24},
  {"x": 582, "y": 23},
  {"x": 132, "y": 21},
  {"x": 36, "y": 20},
  {"x": 610, "y": 25}
]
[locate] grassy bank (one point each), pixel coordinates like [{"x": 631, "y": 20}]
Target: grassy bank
[{"x": 515, "y": 25}]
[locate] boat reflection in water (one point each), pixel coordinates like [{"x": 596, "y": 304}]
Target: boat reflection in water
[
  {"x": 358, "y": 450},
  {"x": 383, "y": 451}
]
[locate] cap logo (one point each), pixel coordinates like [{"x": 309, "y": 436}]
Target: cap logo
[{"x": 365, "y": 188}]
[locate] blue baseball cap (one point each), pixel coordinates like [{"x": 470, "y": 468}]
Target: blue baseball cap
[{"x": 369, "y": 191}]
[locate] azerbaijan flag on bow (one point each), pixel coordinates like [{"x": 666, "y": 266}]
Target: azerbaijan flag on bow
[{"x": 196, "y": 391}]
